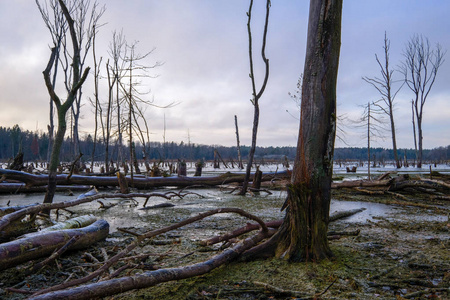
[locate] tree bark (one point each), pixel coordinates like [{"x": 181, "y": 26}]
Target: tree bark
[
  {"x": 39, "y": 245},
  {"x": 303, "y": 234}
]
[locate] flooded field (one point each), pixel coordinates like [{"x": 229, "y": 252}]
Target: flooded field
[{"x": 401, "y": 249}]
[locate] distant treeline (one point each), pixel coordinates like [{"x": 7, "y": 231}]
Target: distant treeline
[{"x": 34, "y": 145}]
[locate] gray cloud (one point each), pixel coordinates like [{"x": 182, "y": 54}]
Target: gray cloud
[{"x": 203, "y": 45}]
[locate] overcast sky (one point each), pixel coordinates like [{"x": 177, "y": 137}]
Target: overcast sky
[{"x": 204, "y": 47}]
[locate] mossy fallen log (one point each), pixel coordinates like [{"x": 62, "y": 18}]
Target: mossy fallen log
[{"x": 40, "y": 245}]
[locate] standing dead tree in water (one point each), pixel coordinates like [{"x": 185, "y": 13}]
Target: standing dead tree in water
[
  {"x": 78, "y": 76},
  {"x": 115, "y": 72},
  {"x": 256, "y": 95},
  {"x": 133, "y": 99},
  {"x": 420, "y": 70},
  {"x": 57, "y": 25},
  {"x": 96, "y": 101},
  {"x": 86, "y": 16},
  {"x": 303, "y": 234},
  {"x": 371, "y": 120},
  {"x": 384, "y": 87},
  {"x": 238, "y": 147}
]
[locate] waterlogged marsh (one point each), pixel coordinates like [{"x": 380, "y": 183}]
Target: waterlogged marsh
[{"x": 400, "y": 250}]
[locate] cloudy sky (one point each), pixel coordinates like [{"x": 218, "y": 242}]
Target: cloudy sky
[{"x": 204, "y": 47}]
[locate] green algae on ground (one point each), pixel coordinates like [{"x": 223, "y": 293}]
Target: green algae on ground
[{"x": 394, "y": 255}]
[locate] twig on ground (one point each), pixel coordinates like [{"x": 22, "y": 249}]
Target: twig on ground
[
  {"x": 147, "y": 235},
  {"x": 54, "y": 256}
]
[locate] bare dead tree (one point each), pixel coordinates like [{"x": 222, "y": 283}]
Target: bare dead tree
[
  {"x": 135, "y": 72},
  {"x": 420, "y": 70},
  {"x": 79, "y": 76},
  {"x": 238, "y": 147},
  {"x": 57, "y": 26},
  {"x": 372, "y": 121},
  {"x": 96, "y": 102},
  {"x": 115, "y": 73},
  {"x": 414, "y": 128},
  {"x": 384, "y": 86},
  {"x": 86, "y": 17},
  {"x": 256, "y": 95}
]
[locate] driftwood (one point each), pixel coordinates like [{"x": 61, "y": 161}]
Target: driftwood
[
  {"x": 151, "y": 278},
  {"x": 32, "y": 180},
  {"x": 265, "y": 232},
  {"x": 396, "y": 184},
  {"x": 39, "y": 245},
  {"x": 15, "y": 188},
  {"x": 54, "y": 255},
  {"x": 84, "y": 198},
  {"x": 361, "y": 183},
  {"x": 77, "y": 222},
  {"x": 18, "y": 227},
  {"x": 272, "y": 224},
  {"x": 421, "y": 184}
]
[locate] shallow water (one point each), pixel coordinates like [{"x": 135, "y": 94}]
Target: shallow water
[{"x": 267, "y": 207}]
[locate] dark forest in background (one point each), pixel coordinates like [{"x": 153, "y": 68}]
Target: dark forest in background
[{"x": 34, "y": 145}]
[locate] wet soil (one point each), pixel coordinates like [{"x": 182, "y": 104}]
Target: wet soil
[{"x": 401, "y": 252}]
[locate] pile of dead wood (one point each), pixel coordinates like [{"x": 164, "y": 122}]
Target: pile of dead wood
[
  {"x": 432, "y": 186},
  {"x": 54, "y": 241}
]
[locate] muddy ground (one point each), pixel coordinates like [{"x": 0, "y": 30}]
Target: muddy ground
[{"x": 402, "y": 251}]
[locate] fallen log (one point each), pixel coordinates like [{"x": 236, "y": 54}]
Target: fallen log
[
  {"x": 422, "y": 184},
  {"x": 139, "y": 182},
  {"x": 160, "y": 205},
  {"x": 18, "y": 227},
  {"x": 84, "y": 198},
  {"x": 151, "y": 278},
  {"x": 77, "y": 222},
  {"x": 361, "y": 183},
  {"x": 264, "y": 231},
  {"x": 53, "y": 257},
  {"x": 22, "y": 250},
  {"x": 16, "y": 188},
  {"x": 272, "y": 224}
]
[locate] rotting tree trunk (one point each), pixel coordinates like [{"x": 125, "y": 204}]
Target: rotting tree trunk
[
  {"x": 303, "y": 234},
  {"x": 39, "y": 245}
]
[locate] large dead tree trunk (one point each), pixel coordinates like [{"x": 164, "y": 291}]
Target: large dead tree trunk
[
  {"x": 40, "y": 245},
  {"x": 303, "y": 234}
]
